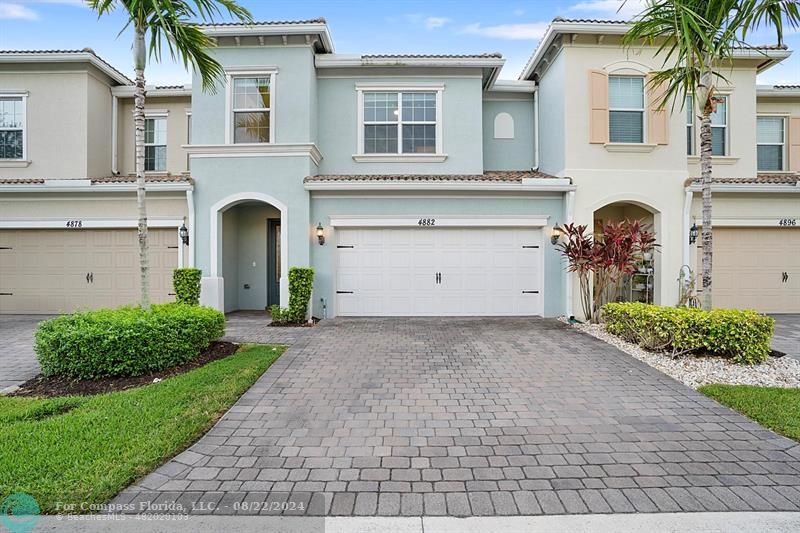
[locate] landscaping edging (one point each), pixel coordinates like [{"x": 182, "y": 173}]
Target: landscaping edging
[{"x": 697, "y": 371}]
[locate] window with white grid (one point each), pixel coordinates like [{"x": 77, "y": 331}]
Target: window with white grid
[
  {"x": 155, "y": 144},
  {"x": 689, "y": 109},
  {"x": 719, "y": 127},
  {"x": 399, "y": 122},
  {"x": 626, "y": 109},
  {"x": 251, "y": 109},
  {"x": 12, "y": 127},
  {"x": 771, "y": 142}
]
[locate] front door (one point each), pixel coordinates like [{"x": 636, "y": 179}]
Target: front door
[{"x": 273, "y": 261}]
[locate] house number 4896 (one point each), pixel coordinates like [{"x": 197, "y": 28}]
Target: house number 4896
[
  {"x": 787, "y": 222},
  {"x": 426, "y": 222}
]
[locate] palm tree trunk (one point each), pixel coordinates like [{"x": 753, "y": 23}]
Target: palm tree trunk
[
  {"x": 138, "y": 120},
  {"x": 705, "y": 173}
]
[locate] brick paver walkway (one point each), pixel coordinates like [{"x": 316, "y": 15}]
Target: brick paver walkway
[
  {"x": 17, "y": 360},
  {"x": 474, "y": 417}
]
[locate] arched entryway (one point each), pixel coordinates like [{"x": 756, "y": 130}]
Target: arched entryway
[
  {"x": 249, "y": 251},
  {"x": 644, "y": 284}
]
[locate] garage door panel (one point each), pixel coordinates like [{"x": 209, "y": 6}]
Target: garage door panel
[
  {"x": 46, "y": 269},
  {"x": 748, "y": 269},
  {"x": 483, "y": 271}
]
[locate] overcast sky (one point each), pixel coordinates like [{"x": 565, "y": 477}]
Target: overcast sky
[{"x": 357, "y": 26}]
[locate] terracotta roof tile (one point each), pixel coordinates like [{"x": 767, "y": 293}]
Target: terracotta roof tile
[
  {"x": 75, "y": 51},
  {"x": 495, "y": 176},
  {"x": 434, "y": 56},
  {"x": 759, "y": 179},
  {"x": 157, "y": 178},
  {"x": 318, "y": 20}
]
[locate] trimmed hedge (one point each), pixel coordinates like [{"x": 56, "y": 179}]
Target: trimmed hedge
[
  {"x": 742, "y": 335},
  {"x": 127, "y": 341},
  {"x": 186, "y": 282},
  {"x": 301, "y": 283}
]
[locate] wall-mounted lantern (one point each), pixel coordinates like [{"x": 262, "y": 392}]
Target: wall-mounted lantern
[
  {"x": 693, "y": 231},
  {"x": 184, "y": 234},
  {"x": 555, "y": 234},
  {"x": 320, "y": 233}
]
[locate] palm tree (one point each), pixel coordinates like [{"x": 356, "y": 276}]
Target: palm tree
[
  {"x": 697, "y": 40},
  {"x": 170, "y": 22}
]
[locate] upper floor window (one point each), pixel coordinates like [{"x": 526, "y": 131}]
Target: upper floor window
[
  {"x": 626, "y": 109},
  {"x": 771, "y": 141},
  {"x": 251, "y": 111},
  {"x": 155, "y": 144},
  {"x": 400, "y": 122},
  {"x": 719, "y": 127},
  {"x": 689, "y": 105},
  {"x": 12, "y": 127}
]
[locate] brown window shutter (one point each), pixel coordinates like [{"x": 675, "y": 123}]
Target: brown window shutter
[
  {"x": 794, "y": 144},
  {"x": 657, "y": 121},
  {"x": 598, "y": 107}
]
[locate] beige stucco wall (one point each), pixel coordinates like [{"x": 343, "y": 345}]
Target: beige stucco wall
[
  {"x": 69, "y": 206},
  {"x": 742, "y": 209},
  {"x": 57, "y": 121},
  {"x": 177, "y": 132},
  {"x": 99, "y": 123}
]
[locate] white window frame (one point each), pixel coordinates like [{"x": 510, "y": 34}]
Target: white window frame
[
  {"x": 781, "y": 144},
  {"x": 361, "y": 156},
  {"x": 726, "y": 136},
  {"x": 692, "y": 148},
  {"x": 158, "y": 115},
  {"x": 643, "y": 110},
  {"x": 260, "y": 72},
  {"x": 24, "y": 97},
  {"x": 188, "y": 136}
]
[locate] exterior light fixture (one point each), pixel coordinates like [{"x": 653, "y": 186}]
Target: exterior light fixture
[
  {"x": 184, "y": 234},
  {"x": 555, "y": 234},
  {"x": 320, "y": 233},
  {"x": 693, "y": 231}
]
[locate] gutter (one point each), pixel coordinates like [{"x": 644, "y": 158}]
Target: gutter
[
  {"x": 152, "y": 91},
  {"x": 536, "y": 131},
  {"x": 747, "y": 188},
  {"x": 527, "y": 185},
  {"x": 96, "y": 188}
]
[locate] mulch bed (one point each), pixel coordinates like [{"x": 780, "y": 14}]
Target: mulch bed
[{"x": 50, "y": 387}]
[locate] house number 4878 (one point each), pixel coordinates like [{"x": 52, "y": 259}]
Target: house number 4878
[{"x": 74, "y": 223}]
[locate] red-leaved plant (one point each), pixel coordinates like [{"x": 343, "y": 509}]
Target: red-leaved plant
[{"x": 606, "y": 259}]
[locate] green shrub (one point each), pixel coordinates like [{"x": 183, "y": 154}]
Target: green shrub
[
  {"x": 127, "y": 341},
  {"x": 742, "y": 335},
  {"x": 186, "y": 282},
  {"x": 301, "y": 283}
]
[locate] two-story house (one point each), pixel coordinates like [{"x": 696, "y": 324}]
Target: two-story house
[{"x": 414, "y": 184}]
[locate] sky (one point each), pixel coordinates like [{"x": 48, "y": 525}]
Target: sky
[{"x": 511, "y": 27}]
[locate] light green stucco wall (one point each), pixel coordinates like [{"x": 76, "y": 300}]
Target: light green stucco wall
[
  {"x": 324, "y": 206},
  {"x": 508, "y": 154}
]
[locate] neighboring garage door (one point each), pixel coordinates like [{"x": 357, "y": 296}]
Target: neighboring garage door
[
  {"x": 756, "y": 268},
  {"x": 439, "y": 271},
  {"x": 58, "y": 271}
]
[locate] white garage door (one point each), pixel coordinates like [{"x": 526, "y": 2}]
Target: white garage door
[
  {"x": 59, "y": 271},
  {"x": 439, "y": 271}
]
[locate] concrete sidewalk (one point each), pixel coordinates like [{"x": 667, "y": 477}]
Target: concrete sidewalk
[{"x": 598, "y": 523}]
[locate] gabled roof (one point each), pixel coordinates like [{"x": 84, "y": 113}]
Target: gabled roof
[
  {"x": 561, "y": 26},
  {"x": 315, "y": 26},
  {"x": 85, "y": 55}
]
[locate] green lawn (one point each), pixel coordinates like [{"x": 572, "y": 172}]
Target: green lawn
[
  {"x": 86, "y": 449},
  {"x": 772, "y": 407}
]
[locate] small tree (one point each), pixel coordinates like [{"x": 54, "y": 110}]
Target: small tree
[{"x": 606, "y": 259}]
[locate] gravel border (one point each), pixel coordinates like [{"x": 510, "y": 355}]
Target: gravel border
[{"x": 696, "y": 371}]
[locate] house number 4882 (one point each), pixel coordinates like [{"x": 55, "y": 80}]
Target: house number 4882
[
  {"x": 426, "y": 222},
  {"x": 787, "y": 222}
]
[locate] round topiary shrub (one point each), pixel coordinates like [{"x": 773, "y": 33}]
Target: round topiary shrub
[{"x": 127, "y": 341}]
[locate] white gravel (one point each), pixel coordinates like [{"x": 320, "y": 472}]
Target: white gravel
[{"x": 695, "y": 371}]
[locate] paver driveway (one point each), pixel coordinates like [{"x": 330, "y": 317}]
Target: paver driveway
[
  {"x": 787, "y": 335},
  {"x": 475, "y": 417},
  {"x": 17, "y": 360}
]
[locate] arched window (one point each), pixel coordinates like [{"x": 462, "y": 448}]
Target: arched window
[{"x": 503, "y": 126}]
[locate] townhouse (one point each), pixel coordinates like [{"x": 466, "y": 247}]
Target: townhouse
[{"x": 414, "y": 184}]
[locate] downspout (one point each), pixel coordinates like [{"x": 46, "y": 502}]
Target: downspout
[
  {"x": 569, "y": 211},
  {"x": 536, "y": 129},
  {"x": 114, "y": 126},
  {"x": 190, "y": 206},
  {"x": 687, "y": 216}
]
